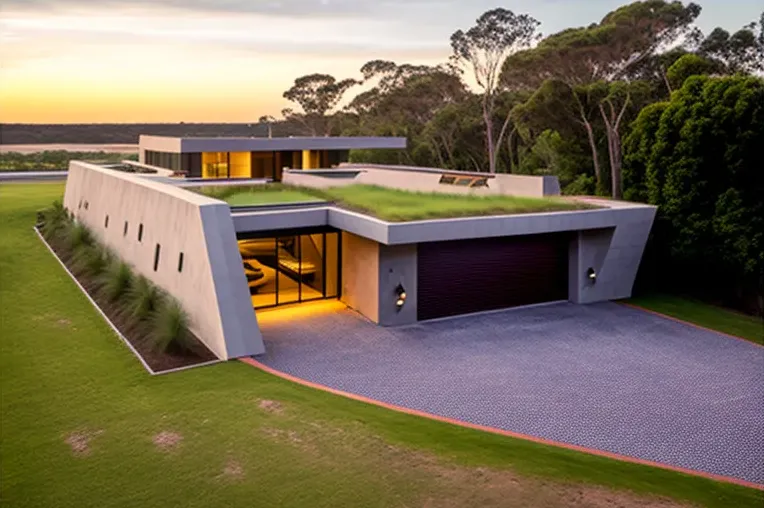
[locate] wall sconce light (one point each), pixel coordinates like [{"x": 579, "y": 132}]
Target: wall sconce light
[
  {"x": 591, "y": 275},
  {"x": 400, "y": 292}
]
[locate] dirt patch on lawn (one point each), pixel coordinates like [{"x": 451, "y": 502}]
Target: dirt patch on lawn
[
  {"x": 233, "y": 470},
  {"x": 79, "y": 442},
  {"x": 167, "y": 440},
  {"x": 506, "y": 489},
  {"x": 270, "y": 406}
]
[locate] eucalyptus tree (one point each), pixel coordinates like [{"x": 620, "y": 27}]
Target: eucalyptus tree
[{"x": 483, "y": 49}]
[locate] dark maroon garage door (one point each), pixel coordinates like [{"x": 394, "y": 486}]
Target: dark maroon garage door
[{"x": 463, "y": 276}]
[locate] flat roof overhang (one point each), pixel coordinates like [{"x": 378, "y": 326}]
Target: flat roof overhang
[
  {"x": 434, "y": 230},
  {"x": 196, "y": 145}
]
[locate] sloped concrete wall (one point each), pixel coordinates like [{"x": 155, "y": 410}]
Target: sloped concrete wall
[
  {"x": 614, "y": 253},
  {"x": 211, "y": 287}
]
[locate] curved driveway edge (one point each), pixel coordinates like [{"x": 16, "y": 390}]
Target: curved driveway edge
[
  {"x": 493, "y": 430},
  {"x": 600, "y": 377}
]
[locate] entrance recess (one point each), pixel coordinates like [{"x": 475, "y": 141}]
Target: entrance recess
[{"x": 291, "y": 268}]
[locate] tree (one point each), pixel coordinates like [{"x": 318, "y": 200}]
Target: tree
[
  {"x": 699, "y": 158},
  {"x": 317, "y": 95},
  {"x": 401, "y": 102},
  {"x": 604, "y": 52},
  {"x": 690, "y": 65},
  {"x": 742, "y": 51},
  {"x": 268, "y": 120},
  {"x": 483, "y": 48}
]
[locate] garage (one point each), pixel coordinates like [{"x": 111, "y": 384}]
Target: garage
[{"x": 465, "y": 276}]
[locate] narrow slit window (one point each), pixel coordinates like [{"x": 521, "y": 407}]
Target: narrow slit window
[
  {"x": 156, "y": 257},
  {"x": 140, "y": 232},
  {"x": 124, "y": 231},
  {"x": 180, "y": 262},
  {"x": 106, "y": 222}
]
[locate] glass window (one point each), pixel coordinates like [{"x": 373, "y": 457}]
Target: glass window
[
  {"x": 448, "y": 180},
  {"x": 291, "y": 269},
  {"x": 259, "y": 262}
]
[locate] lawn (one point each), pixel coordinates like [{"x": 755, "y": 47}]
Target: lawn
[
  {"x": 391, "y": 204},
  {"x": 703, "y": 314},
  {"x": 252, "y": 195},
  {"x": 84, "y": 425}
]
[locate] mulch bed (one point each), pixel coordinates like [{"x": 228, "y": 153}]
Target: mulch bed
[{"x": 136, "y": 332}]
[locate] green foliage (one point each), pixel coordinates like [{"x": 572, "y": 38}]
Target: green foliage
[
  {"x": 689, "y": 65},
  {"x": 699, "y": 157},
  {"x": 54, "y": 218},
  {"x": 93, "y": 260},
  {"x": 115, "y": 281},
  {"x": 170, "y": 327},
  {"x": 638, "y": 147},
  {"x": 78, "y": 235},
  {"x": 143, "y": 299},
  {"x": 56, "y": 160}
]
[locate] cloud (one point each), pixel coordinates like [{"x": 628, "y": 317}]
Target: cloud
[{"x": 287, "y": 8}]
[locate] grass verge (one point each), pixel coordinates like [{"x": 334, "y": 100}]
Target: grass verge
[
  {"x": 84, "y": 425},
  {"x": 703, "y": 314}
]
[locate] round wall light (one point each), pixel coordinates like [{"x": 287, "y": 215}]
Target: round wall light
[
  {"x": 400, "y": 300},
  {"x": 591, "y": 275}
]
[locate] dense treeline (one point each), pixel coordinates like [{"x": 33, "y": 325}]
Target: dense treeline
[
  {"x": 34, "y": 134},
  {"x": 641, "y": 105}
]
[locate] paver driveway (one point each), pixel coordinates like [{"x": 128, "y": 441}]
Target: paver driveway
[{"x": 603, "y": 376}]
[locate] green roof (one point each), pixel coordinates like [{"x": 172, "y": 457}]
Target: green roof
[{"x": 391, "y": 204}]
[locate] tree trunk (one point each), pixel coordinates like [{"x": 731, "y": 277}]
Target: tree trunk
[
  {"x": 511, "y": 151},
  {"x": 489, "y": 135},
  {"x": 595, "y": 153},
  {"x": 612, "y": 127}
]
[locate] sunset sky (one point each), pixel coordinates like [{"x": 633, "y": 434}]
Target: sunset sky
[{"x": 67, "y": 61}]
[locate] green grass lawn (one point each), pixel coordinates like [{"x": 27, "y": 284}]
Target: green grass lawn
[
  {"x": 703, "y": 314},
  {"x": 251, "y": 195},
  {"x": 391, "y": 204},
  {"x": 80, "y": 418}
]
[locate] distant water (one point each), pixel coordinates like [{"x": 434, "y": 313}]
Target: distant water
[{"x": 70, "y": 147}]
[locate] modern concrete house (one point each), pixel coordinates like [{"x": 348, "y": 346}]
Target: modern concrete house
[
  {"x": 225, "y": 263},
  {"x": 252, "y": 157}
]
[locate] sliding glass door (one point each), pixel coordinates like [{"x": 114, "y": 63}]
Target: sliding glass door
[{"x": 291, "y": 269}]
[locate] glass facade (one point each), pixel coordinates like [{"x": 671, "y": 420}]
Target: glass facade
[
  {"x": 291, "y": 269},
  {"x": 244, "y": 164}
]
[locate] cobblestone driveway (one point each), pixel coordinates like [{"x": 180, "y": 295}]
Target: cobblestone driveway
[{"x": 603, "y": 376}]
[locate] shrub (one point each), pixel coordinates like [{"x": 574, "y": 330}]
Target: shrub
[
  {"x": 170, "y": 327},
  {"x": 115, "y": 281},
  {"x": 77, "y": 236},
  {"x": 92, "y": 260},
  {"x": 143, "y": 299},
  {"x": 53, "y": 220}
]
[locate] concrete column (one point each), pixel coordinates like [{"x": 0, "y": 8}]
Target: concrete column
[{"x": 397, "y": 265}]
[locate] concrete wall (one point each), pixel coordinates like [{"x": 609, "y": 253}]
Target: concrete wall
[
  {"x": 360, "y": 275},
  {"x": 613, "y": 253},
  {"x": 211, "y": 288},
  {"x": 397, "y": 265},
  {"x": 428, "y": 180}
]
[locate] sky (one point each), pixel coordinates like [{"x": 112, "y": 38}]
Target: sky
[{"x": 88, "y": 61}]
